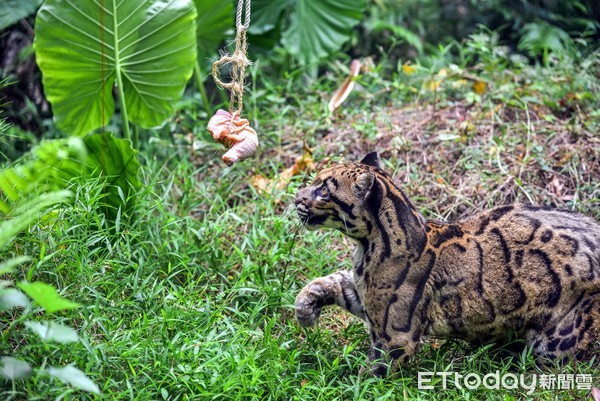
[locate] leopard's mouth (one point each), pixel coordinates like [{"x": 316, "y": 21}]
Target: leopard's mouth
[
  {"x": 303, "y": 212},
  {"x": 310, "y": 220}
]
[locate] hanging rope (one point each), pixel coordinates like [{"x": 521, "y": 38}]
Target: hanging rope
[
  {"x": 229, "y": 128},
  {"x": 239, "y": 61}
]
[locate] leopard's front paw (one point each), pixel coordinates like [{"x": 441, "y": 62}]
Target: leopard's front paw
[
  {"x": 307, "y": 311},
  {"x": 308, "y": 307}
]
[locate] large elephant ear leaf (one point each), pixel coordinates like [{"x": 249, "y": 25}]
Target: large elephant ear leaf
[
  {"x": 54, "y": 164},
  {"x": 114, "y": 159},
  {"x": 147, "y": 45},
  {"x": 215, "y": 18},
  {"x": 266, "y": 14},
  {"x": 11, "y": 11},
  {"x": 320, "y": 27}
]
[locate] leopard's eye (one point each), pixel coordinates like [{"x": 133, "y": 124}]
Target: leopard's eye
[{"x": 324, "y": 192}]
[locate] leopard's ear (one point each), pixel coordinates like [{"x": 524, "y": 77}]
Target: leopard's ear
[
  {"x": 372, "y": 159},
  {"x": 363, "y": 184}
]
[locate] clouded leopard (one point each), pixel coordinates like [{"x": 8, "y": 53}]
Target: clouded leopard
[{"x": 530, "y": 270}]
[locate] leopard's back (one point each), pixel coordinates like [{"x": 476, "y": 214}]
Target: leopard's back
[{"x": 515, "y": 267}]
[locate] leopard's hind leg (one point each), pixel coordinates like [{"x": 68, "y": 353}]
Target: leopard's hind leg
[
  {"x": 576, "y": 335},
  {"x": 337, "y": 288}
]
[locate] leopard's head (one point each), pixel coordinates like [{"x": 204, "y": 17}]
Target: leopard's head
[{"x": 339, "y": 196}]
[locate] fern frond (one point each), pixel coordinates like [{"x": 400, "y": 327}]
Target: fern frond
[{"x": 49, "y": 167}]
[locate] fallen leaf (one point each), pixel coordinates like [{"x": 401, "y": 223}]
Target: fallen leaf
[
  {"x": 280, "y": 182},
  {"x": 408, "y": 69},
  {"x": 433, "y": 84},
  {"x": 459, "y": 83},
  {"x": 479, "y": 87},
  {"x": 556, "y": 186},
  {"x": 259, "y": 182},
  {"x": 467, "y": 127},
  {"x": 343, "y": 91}
]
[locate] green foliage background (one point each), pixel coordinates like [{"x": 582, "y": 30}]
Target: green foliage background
[
  {"x": 136, "y": 266},
  {"x": 144, "y": 48}
]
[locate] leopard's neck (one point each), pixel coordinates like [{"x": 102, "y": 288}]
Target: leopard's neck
[{"x": 396, "y": 230}]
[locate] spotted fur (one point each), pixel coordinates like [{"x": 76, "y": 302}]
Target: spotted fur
[{"x": 527, "y": 270}]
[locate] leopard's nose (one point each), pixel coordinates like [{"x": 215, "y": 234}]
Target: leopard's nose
[{"x": 301, "y": 196}]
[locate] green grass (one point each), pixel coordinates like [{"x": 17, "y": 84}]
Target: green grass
[{"x": 193, "y": 300}]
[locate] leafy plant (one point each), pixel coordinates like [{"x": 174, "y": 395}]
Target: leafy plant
[
  {"x": 315, "y": 29},
  {"x": 53, "y": 164},
  {"x": 399, "y": 32},
  {"x": 30, "y": 189},
  {"x": 44, "y": 295},
  {"x": 439, "y": 22},
  {"x": 214, "y": 20},
  {"x": 11, "y": 11},
  {"x": 540, "y": 38},
  {"x": 49, "y": 168},
  {"x": 145, "y": 48},
  {"x": 24, "y": 215},
  {"x": 114, "y": 159}
]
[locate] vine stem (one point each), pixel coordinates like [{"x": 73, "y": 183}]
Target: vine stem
[
  {"x": 136, "y": 137},
  {"x": 118, "y": 75},
  {"x": 201, "y": 88}
]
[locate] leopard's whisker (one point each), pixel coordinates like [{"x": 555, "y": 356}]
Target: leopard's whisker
[
  {"x": 289, "y": 209},
  {"x": 345, "y": 224}
]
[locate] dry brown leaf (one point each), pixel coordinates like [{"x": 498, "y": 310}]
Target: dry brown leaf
[
  {"x": 479, "y": 87},
  {"x": 260, "y": 182},
  {"x": 408, "y": 69},
  {"x": 343, "y": 91},
  {"x": 556, "y": 186},
  {"x": 279, "y": 183}
]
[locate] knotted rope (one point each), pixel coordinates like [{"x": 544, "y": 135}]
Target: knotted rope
[
  {"x": 238, "y": 60},
  {"x": 230, "y": 129}
]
